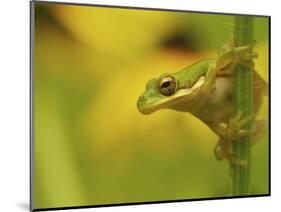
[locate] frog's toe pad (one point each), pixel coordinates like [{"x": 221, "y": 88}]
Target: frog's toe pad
[{"x": 220, "y": 155}]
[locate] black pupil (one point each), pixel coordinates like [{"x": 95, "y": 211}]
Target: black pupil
[{"x": 165, "y": 84}]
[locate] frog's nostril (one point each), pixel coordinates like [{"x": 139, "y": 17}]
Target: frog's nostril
[
  {"x": 141, "y": 101},
  {"x": 142, "y": 98}
]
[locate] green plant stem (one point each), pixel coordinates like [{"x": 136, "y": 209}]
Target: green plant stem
[{"x": 243, "y": 35}]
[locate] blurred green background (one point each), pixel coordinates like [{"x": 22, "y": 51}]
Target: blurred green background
[{"x": 92, "y": 146}]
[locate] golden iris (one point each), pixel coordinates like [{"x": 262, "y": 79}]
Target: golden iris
[{"x": 167, "y": 85}]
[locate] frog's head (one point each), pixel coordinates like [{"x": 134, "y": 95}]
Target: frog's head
[{"x": 169, "y": 91}]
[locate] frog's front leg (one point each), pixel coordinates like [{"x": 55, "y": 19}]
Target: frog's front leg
[{"x": 226, "y": 62}]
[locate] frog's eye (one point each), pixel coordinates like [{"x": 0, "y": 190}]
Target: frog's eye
[{"x": 167, "y": 85}]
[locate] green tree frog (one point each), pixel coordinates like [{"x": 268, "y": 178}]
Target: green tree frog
[{"x": 205, "y": 89}]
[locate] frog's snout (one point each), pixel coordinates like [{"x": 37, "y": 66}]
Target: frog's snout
[
  {"x": 141, "y": 104},
  {"x": 142, "y": 98},
  {"x": 141, "y": 101}
]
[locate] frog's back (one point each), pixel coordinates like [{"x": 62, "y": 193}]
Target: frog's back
[
  {"x": 199, "y": 67},
  {"x": 194, "y": 71}
]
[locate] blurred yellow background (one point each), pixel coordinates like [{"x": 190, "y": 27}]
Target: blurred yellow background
[{"x": 92, "y": 146}]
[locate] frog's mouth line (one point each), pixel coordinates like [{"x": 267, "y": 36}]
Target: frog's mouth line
[{"x": 182, "y": 95}]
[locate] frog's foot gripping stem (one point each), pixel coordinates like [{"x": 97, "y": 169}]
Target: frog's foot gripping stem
[
  {"x": 244, "y": 55},
  {"x": 224, "y": 150},
  {"x": 234, "y": 129},
  {"x": 231, "y": 56},
  {"x": 231, "y": 132}
]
